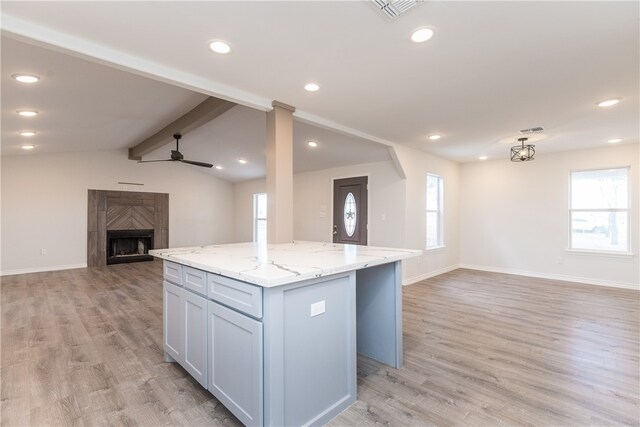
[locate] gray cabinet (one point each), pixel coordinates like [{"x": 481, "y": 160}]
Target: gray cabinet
[
  {"x": 282, "y": 355},
  {"x": 173, "y": 321},
  {"x": 195, "y": 280},
  {"x": 235, "y": 362},
  {"x": 195, "y": 336},
  {"x": 173, "y": 272},
  {"x": 235, "y": 294},
  {"x": 185, "y": 330}
]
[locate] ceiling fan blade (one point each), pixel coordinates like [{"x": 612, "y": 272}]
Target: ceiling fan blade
[
  {"x": 176, "y": 156},
  {"x": 191, "y": 162}
]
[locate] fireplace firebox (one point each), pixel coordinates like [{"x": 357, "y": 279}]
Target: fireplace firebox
[{"x": 129, "y": 246}]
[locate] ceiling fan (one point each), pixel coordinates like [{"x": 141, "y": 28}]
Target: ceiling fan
[{"x": 176, "y": 156}]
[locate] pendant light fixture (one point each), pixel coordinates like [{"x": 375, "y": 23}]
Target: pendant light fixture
[{"x": 522, "y": 153}]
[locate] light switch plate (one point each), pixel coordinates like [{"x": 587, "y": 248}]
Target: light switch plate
[{"x": 317, "y": 308}]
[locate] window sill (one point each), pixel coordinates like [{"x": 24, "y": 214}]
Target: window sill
[
  {"x": 436, "y": 248},
  {"x": 601, "y": 253}
]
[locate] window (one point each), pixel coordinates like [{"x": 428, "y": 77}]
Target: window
[
  {"x": 350, "y": 217},
  {"x": 599, "y": 211},
  {"x": 260, "y": 217},
  {"x": 434, "y": 211}
]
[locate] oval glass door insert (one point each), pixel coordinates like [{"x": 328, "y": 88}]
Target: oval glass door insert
[{"x": 350, "y": 214}]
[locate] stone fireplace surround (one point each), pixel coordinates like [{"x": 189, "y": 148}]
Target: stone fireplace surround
[{"x": 124, "y": 210}]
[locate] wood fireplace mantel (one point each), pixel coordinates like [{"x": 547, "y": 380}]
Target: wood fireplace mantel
[{"x": 124, "y": 210}]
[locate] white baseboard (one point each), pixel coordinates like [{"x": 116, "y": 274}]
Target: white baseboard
[
  {"x": 429, "y": 275},
  {"x": 41, "y": 269},
  {"x": 575, "y": 279}
]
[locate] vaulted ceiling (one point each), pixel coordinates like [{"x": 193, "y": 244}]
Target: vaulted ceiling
[
  {"x": 86, "y": 106},
  {"x": 491, "y": 69}
]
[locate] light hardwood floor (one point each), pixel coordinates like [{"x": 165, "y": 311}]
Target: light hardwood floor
[{"x": 83, "y": 347}]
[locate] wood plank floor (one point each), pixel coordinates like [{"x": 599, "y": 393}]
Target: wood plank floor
[{"x": 83, "y": 347}]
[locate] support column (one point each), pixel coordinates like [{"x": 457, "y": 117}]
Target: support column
[{"x": 280, "y": 173}]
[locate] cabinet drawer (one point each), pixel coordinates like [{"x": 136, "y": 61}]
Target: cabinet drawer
[
  {"x": 235, "y": 294},
  {"x": 173, "y": 272},
  {"x": 194, "y": 280}
]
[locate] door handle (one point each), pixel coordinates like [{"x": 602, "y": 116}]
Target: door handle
[{"x": 335, "y": 229}]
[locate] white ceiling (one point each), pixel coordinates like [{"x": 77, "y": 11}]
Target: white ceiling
[
  {"x": 491, "y": 69},
  {"x": 84, "y": 106}
]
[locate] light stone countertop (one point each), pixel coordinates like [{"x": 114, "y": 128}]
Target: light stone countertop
[{"x": 270, "y": 265}]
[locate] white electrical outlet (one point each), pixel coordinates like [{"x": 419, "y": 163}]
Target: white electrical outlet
[
  {"x": 43, "y": 251},
  {"x": 317, "y": 308},
  {"x": 559, "y": 260},
  {"x": 383, "y": 217}
]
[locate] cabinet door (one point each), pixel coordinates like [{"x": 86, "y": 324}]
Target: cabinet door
[
  {"x": 195, "y": 337},
  {"x": 173, "y": 321},
  {"x": 235, "y": 362}
]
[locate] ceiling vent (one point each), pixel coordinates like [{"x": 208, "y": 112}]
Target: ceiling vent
[
  {"x": 532, "y": 130},
  {"x": 391, "y": 9}
]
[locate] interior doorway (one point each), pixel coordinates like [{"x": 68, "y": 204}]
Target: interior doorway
[{"x": 350, "y": 210}]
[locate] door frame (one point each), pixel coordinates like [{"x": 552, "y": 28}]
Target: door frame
[{"x": 331, "y": 197}]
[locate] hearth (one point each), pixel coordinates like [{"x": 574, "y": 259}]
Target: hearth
[{"x": 129, "y": 246}]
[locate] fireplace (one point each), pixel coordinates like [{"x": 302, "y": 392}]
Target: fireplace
[
  {"x": 127, "y": 214},
  {"x": 129, "y": 246}
]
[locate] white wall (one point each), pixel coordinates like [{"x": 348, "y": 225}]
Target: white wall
[
  {"x": 515, "y": 217},
  {"x": 416, "y": 165},
  {"x": 489, "y": 224},
  {"x": 44, "y": 204},
  {"x": 313, "y": 191},
  {"x": 396, "y": 208}
]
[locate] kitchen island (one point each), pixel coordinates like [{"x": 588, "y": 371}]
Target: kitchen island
[{"x": 272, "y": 330}]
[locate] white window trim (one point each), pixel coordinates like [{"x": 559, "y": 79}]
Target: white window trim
[
  {"x": 613, "y": 254},
  {"x": 440, "y": 213},
  {"x": 255, "y": 216},
  {"x": 624, "y": 254}
]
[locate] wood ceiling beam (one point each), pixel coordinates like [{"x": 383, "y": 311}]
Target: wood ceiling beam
[{"x": 203, "y": 113}]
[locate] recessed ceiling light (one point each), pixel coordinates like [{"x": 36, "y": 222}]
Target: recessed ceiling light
[
  {"x": 435, "y": 137},
  {"x": 614, "y": 140},
  {"x": 312, "y": 144},
  {"x": 311, "y": 87},
  {"x": 421, "y": 35},
  {"x": 27, "y": 113},
  {"x": 27, "y": 133},
  {"x": 242, "y": 161},
  {"x": 483, "y": 157},
  {"x": 28, "y": 147},
  {"x": 218, "y": 167},
  {"x": 219, "y": 46},
  {"x": 25, "y": 78},
  {"x": 608, "y": 102}
]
